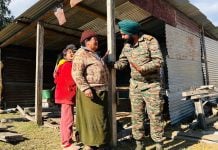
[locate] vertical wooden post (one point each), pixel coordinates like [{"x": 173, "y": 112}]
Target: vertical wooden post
[
  {"x": 200, "y": 113},
  {"x": 112, "y": 57},
  {"x": 1, "y": 86},
  {"x": 39, "y": 72},
  {"x": 203, "y": 49}
]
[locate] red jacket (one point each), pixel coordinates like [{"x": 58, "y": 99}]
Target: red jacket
[{"x": 65, "y": 91}]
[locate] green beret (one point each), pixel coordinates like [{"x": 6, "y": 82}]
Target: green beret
[{"x": 129, "y": 27}]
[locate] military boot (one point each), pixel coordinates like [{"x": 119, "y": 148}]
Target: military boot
[
  {"x": 140, "y": 145},
  {"x": 159, "y": 145}
]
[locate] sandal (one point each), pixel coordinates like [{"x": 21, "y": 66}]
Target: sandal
[{"x": 86, "y": 147}]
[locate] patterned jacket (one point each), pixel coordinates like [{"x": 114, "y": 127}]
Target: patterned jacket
[
  {"x": 146, "y": 55},
  {"x": 89, "y": 71}
]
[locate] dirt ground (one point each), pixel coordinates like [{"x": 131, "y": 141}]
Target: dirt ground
[{"x": 43, "y": 138}]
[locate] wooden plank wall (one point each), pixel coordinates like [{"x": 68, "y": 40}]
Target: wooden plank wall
[{"x": 19, "y": 75}]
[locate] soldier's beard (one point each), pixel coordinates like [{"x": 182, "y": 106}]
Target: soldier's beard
[{"x": 130, "y": 40}]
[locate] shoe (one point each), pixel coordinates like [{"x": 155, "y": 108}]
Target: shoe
[
  {"x": 159, "y": 146},
  {"x": 77, "y": 136},
  {"x": 140, "y": 145},
  {"x": 86, "y": 147},
  {"x": 72, "y": 147}
]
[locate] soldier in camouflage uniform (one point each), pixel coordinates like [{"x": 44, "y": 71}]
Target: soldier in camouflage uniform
[{"x": 143, "y": 54}]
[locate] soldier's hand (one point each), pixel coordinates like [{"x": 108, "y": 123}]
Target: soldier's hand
[{"x": 138, "y": 68}]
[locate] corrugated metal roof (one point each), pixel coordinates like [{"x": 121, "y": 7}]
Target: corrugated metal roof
[
  {"x": 82, "y": 17},
  {"x": 32, "y": 13},
  {"x": 130, "y": 11},
  {"x": 100, "y": 25},
  {"x": 195, "y": 14},
  {"x": 88, "y": 14}
]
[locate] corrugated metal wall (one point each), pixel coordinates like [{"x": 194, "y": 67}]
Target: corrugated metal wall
[
  {"x": 184, "y": 70},
  {"x": 212, "y": 60}
]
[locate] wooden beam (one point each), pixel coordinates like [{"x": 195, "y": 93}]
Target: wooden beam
[
  {"x": 112, "y": 57},
  {"x": 211, "y": 120},
  {"x": 10, "y": 137},
  {"x": 193, "y": 136},
  {"x": 195, "y": 92},
  {"x": 91, "y": 11},
  {"x": 22, "y": 112},
  {"x": 39, "y": 72},
  {"x": 200, "y": 113},
  {"x": 49, "y": 27},
  {"x": 62, "y": 30},
  {"x": 1, "y": 85},
  {"x": 122, "y": 88},
  {"x": 212, "y": 95},
  {"x": 3, "y": 128}
]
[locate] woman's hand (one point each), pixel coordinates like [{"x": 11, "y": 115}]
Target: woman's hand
[{"x": 88, "y": 93}]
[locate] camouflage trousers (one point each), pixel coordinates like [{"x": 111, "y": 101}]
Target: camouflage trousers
[{"x": 145, "y": 96}]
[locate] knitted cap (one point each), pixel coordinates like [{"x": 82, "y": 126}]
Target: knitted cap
[
  {"x": 71, "y": 46},
  {"x": 129, "y": 27},
  {"x": 87, "y": 34}
]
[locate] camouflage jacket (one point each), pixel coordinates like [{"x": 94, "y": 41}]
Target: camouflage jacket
[
  {"x": 89, "y": 71},
  {"x": 146, "y": 55}
]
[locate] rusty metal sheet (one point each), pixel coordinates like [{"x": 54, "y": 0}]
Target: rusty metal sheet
[
  {"x": 187, "y": 24},
  {"x": 182, "y": 45},
  {"x": 158, "y": 8}
]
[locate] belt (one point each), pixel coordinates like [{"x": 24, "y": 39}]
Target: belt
[
  {"x": 140, "y": 80},
  {"x": 146, "y": 79}
]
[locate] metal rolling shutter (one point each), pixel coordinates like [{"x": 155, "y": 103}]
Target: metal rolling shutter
[
  {"x": 212, "y": 60},
  {"x": 184, "y": 70}
]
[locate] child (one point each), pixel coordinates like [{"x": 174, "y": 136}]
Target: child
[{"x": 65, "y": 93}]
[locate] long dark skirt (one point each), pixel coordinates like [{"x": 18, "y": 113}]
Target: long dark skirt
[{"x": 92, "y": 120}]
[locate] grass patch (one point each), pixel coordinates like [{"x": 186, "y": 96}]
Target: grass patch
[
  {"x": 41, "y": 138},
  {"x": 36, "y": 138}
]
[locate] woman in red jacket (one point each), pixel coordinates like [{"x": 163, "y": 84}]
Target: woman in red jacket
[{"x": 65, "y": 93}]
